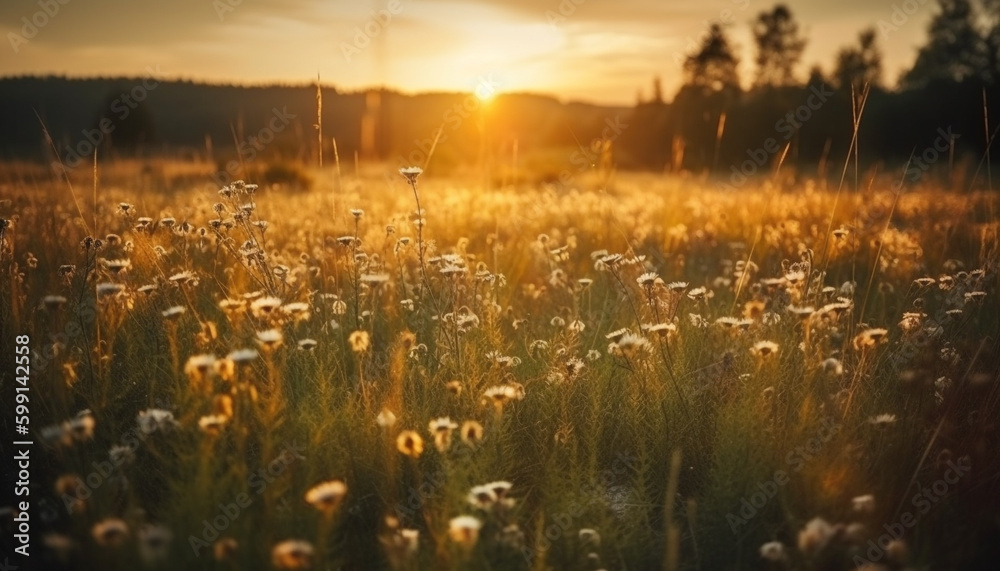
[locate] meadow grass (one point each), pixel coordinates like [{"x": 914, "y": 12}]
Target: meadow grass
[{"x": 651, "y": 374}]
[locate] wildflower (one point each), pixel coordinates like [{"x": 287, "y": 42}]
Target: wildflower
[
  {"x": 117, "y": 266},
  {"x": 411, "y": 174},
  {"x": 81, "y": 427},
  {"x": 270, "y": 339},
  {"x": 184, "y": 278},
  {"x": 975, "y": 296},
  {"x": 109, "y": 289},
  {"x": 870, "y": 338},
  {"x": 764, "y": 349},
  {"x": 464, "y": 530},
  {"x": 815, "y": 535},
  {"x": 231, "y": 306},
  {"x": 73, "y": 491},
  {"x": 374, "y": 279},
  {"x": 832, "y": 311},
  {"x": 754, "y": 309},
  {"x": 213, "y": 423},
  {"x": 292, "y": 554},
  {"x": 863, "y": 504},
  {"x": 307, "y": 344},
  {"x": 648, "y": 279},
  {"x": 832, "y": 367},
  {"x": 593, "y": 355},
  {"x": 773, "y": 551},
  {"x": 110, "y": 532},
  {"x": 385, "y": 418},
  {"x": 265, "y": 307},
  {"x": 401, "y": 543},
  {"x": 242, "y": 356},
  {"x": 698, "y": 294},
  {"x": 198, "y": 367},
  {"x": 589, "y": 537},
  {"x": 410, "y": 443},
  {"x": 326, "y": 496},
  {"x": 801, "y": 311},
  {"x": 500, "y": 395},
  {"x": 573, "y": 367},
  {"x": 576, "y": 326},
  {"x": 662, "y": 330},
  {"x": 630, "y": 345},
  {"x": 297, "y": 311},
  {"x": 154, "y": 543},
  {"x": 155, "y": 419},
  {"x": 52, "y": 302},
  {"x": 502, "y": 360},
  {"x": 172, "y": 313},
  {"x": 359, "y": 341},
  {"x": 454, "y": 387},
  {"x": 441, "y": 429},
  {"x": 472, "y": 432},
  {"x": 482, "y": 497},
  {"x": 500, "y": 489},
  {"x": 911, "y": 321},
  {"x": 616, "y": 335},
  {"x": 882, "y": 420}
]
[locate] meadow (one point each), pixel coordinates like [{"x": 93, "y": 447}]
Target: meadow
[{"x": 399, "y": 370}]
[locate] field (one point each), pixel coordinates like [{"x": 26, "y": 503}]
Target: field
[{"x": 401, "y": 371}]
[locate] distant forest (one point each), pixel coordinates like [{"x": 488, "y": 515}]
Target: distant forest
[{"x": 944, "y": 111}]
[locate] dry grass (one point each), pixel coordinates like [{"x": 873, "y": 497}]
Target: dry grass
[{"x": 589, "y": 334}]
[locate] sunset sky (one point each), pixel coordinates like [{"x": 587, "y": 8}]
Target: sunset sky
[{"x": 603, "y": 51}]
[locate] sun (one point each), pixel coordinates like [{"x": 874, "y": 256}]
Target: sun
[{"x": 485, "y": 92}]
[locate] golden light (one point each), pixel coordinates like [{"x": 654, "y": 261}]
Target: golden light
[{"x": 485, "y": 93}]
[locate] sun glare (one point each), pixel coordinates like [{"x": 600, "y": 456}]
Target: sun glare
[{"x": 485, "y": 93}]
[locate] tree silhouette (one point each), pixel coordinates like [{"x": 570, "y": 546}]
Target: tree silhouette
[
  {"x": 956, "y": 51},
  {"x": 860, "y": 65},
  {"x": 779, "y": 47},
  {"x": 991, "y": 18},
  {"x": 713, "y": 67}
]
